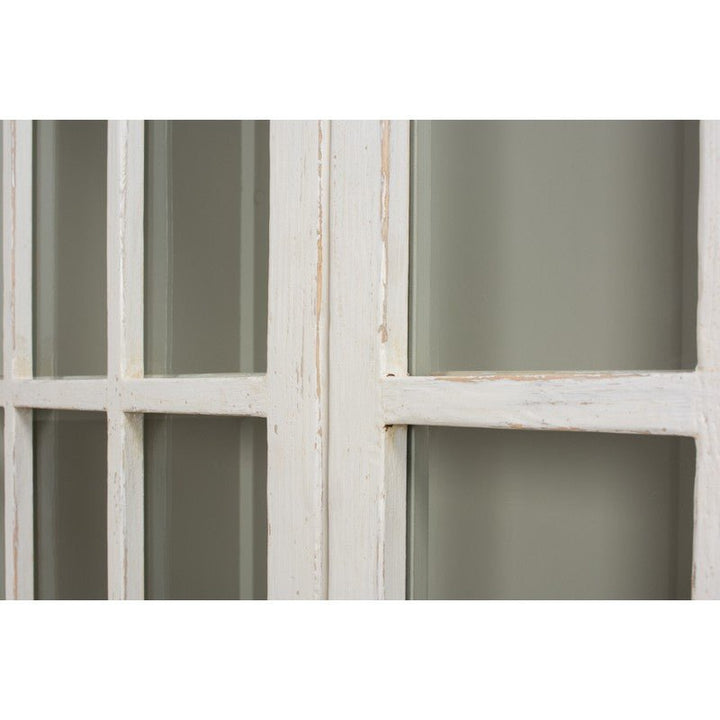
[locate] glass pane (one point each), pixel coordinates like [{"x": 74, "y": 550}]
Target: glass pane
[
  {"x": 549, "y": 245},
  {"x": 69, "y": 247},
  {"x": 205, "y": 508},
  {"x": 506, "y": 514},
  {"x": 70, "y": 505},
  {"x": 206, "y": 215}
]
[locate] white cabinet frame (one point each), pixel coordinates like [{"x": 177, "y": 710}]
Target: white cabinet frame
[{"x": 337, "y": 396}]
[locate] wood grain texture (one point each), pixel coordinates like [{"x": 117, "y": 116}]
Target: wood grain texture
[
  {"x": 199, "y": 395},
  {"x": 17, "y": 356},
  {"x": 368, "y": 284},
  {"x": 297, "y": 375},
  {"x": 708, "y": 312},
  {"x": 706, "y": 539},
  {"x": 337, "y": 396},
  {"x": 395, "y": 173},
  {"x": 706, "y": 528},
  {"x": 125, "y": 358},
  {"x": 656, "y": 403}
]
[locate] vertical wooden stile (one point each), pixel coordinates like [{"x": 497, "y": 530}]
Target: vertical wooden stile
[
  {"x": 297, "y": 417},
  {"x": 125, "y": 358},
  {"x": 706, "y": 540},
  {"x": 17, "y": 352},
  {"x": 368, "y": 341}
]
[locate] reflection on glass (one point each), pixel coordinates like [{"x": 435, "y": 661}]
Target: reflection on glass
[
  {"x": 70, "y": 462},
  {"x": 69, "y": 247},
  {"x": 205, "y": 508},
  {"x": 547, "y": 245},
  {"x": 509, "y": 514},
  {"x": 206, "y": 225}
]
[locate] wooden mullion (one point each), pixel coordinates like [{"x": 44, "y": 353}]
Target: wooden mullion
[
  {"x": 706, "y": 539},
  {"x": 17, "y": 352},
  {"x": 125, "y": 496},
  {"x": 368, "y": 342},
  {"x": 297, "y": 377}
]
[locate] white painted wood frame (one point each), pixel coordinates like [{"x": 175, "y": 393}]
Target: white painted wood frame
[
  {"x": 337, "y": 396},
  {"x": 369, "y": 211},
  {"x": 371, "y": 397},
  {"x": 297, "y": 411},
  {"x": 125, "y": 395},
  {"x": 17, "y": 357},
  {"x": 292, "y": 396}
]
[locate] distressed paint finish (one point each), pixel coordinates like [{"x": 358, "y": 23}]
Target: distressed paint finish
[
  {"x": 708, "y": 313},
  {"x": 655, "y": 403},
  {"x": 395, "y": 173},
  {"x": 706, "y": 536},
  {"x": 198, "y": 395},
  {"x": 368, "y": 331},
  {"x": 125, "y": 358},
  {"x": 337, "y": 359},
  {"x": 297, "y": 377},
  {"x": 17, "y": 352},
  {"x": 706, "y": 540}
]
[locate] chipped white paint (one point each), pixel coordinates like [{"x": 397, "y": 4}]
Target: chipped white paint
[
  {"x": 297, "y": 378},
  {"x": 675, "y": 403},
  {"x": 706, "y": 552},
  {"x": 125, "y": 358},
  {"x": 657, "y": 403},
  {"x": 17, "y": 356},
  {"x": 124, "y": 395},
  {"x": 708, "y": 313},
  {"x": 706, "y": 540},
  {"x": 368, "y": 331},
  {"x": 197, "y": 395},
  {"x": 337, "y": 358}
]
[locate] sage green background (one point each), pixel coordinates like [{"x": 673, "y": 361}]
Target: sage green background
[
  {"x": 202, "y": 474},
  {"x": 552, "y": 246}
]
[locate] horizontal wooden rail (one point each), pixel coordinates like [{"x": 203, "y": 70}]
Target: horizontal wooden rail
[
  {"x": 200, "y": 395},
  {"x": 60, "y": 393},
  {"x": 657, "y": 403}
]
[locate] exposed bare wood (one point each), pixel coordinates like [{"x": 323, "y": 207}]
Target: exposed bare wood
[
  {"x": 368, "y": 333},
  {"x": 19, "y": 552},
  {"x": 199, "y": 395},
  {"x": 298, "y": 360},
  {"x": 17, "y": 352},
  {"x": 706, "y": 535},
  {"x": 337, "y": 358},
  {"x": 654, "y": 403},
  {"x": 706, "y": 542},
  {"x": 395, "y": 149}
]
